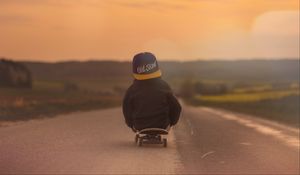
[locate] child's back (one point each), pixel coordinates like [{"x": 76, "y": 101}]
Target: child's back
[{"x": 149, "y": 101}]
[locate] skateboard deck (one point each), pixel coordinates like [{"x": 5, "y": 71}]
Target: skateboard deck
[
  {"x": 154, "y": 131},
  {"x": 151, "y": 136}
]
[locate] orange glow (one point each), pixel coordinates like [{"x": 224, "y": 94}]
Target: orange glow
[{"x": 51, "y": 30}]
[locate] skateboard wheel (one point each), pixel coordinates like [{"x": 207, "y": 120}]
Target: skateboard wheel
[
  {"x": 165, "y": 142},
  {"x": 159, "y": 138},
  {"x": 140, "y": 141}
]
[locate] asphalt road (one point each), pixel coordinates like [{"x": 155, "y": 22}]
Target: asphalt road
[{"x": 205, "y": 141}]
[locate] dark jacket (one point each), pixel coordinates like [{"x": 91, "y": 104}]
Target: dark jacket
[{"x": 150, "y": 104}]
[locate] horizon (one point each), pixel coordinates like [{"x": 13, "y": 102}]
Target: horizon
[
  {"x": 159, "y": 60},
  {"x": 51, "y": 31}
]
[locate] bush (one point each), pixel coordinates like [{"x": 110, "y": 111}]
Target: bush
[
  {"x": 187, "y": 89},
  {"x": 210, "y": 89},
  {"x": 70, "y": 87}
]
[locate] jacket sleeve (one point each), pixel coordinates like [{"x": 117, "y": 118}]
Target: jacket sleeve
[
  {"x": 175, "y": 109},
  {"x": 127, "y": 109}
]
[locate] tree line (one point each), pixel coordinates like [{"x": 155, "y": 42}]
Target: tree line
[
  {"x": 191, "y": 88},
  {"x": 14, "y": 74}
]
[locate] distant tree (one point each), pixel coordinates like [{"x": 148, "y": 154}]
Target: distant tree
[
  {"x": 14, "y": 74},
  {"x": 70, "y": 87},
  {"x": 187, "y": 89},
  {"x": 224, "y": 89},
  {"x": 199, "y": 87},
  {"x": 210, "y": 89}
]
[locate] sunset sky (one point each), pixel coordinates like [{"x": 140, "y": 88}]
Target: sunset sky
[{"x": 57, "y": 30}]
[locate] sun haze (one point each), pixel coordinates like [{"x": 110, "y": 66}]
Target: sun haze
[{"x": 51, "y": 30}]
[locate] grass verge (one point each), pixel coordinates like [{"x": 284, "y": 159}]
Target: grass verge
[
  {"x": 284, "y": 109},
  {"x": 26, "y": 104}
]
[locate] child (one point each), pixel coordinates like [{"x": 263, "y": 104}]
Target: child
[{"x": 149, "y": 101}]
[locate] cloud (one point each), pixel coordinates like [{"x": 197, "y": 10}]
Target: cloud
[
  {"x": 276, "y": 34},
  {"x": 277, "y": 23}
]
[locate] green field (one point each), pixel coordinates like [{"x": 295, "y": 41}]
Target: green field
[
  {"x": 251, "y": 96},
  {"x": 273, "y": 104}
]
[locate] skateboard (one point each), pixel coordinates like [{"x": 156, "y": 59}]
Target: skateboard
[{"x": 151, "y": 136}]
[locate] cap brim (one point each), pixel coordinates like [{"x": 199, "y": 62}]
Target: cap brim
[{"x": 147, "y": 76}]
